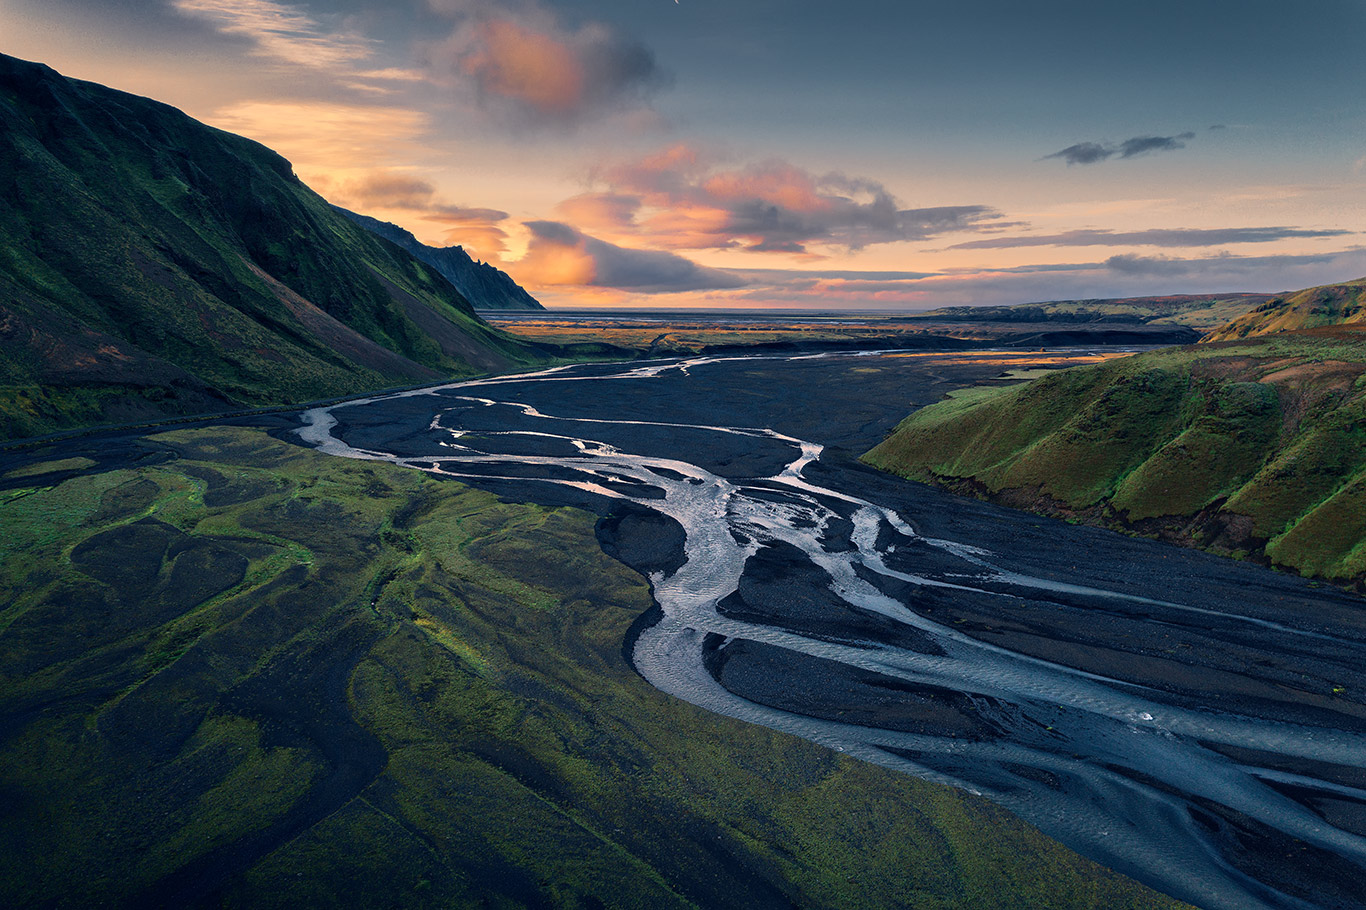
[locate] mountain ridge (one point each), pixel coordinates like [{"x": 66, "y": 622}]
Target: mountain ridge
[
  {"x": 485, "y": 286},
  {"x": 151, "y": 265}
]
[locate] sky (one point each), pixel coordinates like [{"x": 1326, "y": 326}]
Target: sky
[{"x": 789, "y": 154}]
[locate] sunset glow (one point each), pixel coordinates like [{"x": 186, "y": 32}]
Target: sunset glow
[{"x": 764, "y": 154}]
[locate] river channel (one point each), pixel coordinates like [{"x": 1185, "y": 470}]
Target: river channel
[{"x": 1193, "y": 722}]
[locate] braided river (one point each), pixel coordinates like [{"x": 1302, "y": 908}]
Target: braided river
[{"x": 1193, "y": 722}]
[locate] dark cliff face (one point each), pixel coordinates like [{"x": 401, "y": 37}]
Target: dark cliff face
[
  {"x": 483, "y": 285},
  {"x": 151, "y": 265}
]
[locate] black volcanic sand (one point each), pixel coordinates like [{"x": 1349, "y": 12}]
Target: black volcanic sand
[
  {"x": 364, "y": 722},
  {"x": 782, "y": 588},
  {"x": 780, "y": 678},
  {"x": 849, "y": 404}
]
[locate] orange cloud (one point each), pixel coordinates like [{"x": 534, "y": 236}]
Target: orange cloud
[
  {"x": 669, "y": 166},
  {"x": 607, "y": 211},
  {"x": 524, "y": 65},
  {"x": 550, "y": 263},
  {"x": 679, "y": 199},
  {"x": 529, "y": 67},
  {"x": 776, "y": 183},
  {"x": 560, "y": 255}
]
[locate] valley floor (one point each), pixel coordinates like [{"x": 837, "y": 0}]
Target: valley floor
[{"x": 236, "y": 672}]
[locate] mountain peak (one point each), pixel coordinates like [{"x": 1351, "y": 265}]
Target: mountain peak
[{"x": 486, "y": 287}]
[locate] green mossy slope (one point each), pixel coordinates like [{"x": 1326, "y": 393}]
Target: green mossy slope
[
  {"x": 152, "y": 265},
  {"x": 249, "y": 675},
  {"x": 1255, "y": 447},
  {"x": 1334, "y": 304}
]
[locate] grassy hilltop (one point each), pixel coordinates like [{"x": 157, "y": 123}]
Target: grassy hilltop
[
  {"x": 1252, "y": 447},
  {"x": 1334, "y": 304},
  {"x": 151, "y": 265},
  {"x": 244, "y": 674}
]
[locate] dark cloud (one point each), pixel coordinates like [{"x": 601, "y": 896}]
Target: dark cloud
[
  {"x": 1131, "y": 264},
  {"x": 1028, "y": 269},
  {"x": 390, "y": 190},
  {"x": 1141, "y": 145},
  {"x": 1173, "y": 237},
  {"x": 1094, "y": 152},
  {"x": 562, "y": 255},
  {"x": 922, "y": 224},
  {"x": 1083, "y": 153}
]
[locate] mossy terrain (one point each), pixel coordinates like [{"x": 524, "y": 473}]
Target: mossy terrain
[
  {"x": 1334, "y": 304},
  {"x": 234, "y": 672},
  {"x": 650, "y": 338},
  {"x": 151, "y": 265},
  {"x": 689, "y": 336},
  {"x": 1249, "y": 448},
  {"x": 1198, "y": 311}
]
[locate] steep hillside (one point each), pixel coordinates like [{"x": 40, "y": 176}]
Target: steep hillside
[
  {"x": 484, "y": 286},
  {"x": 1253, "y": 447},
  {"x": 151, "y": 265},
  {"x": 1334, "y": 304}
]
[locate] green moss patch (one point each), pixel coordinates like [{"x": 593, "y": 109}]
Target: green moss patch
[
  {"x": 256, "y": 676},
  {"x": 1255, "y": 447},
  {"x": 50, "y": 467}
]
